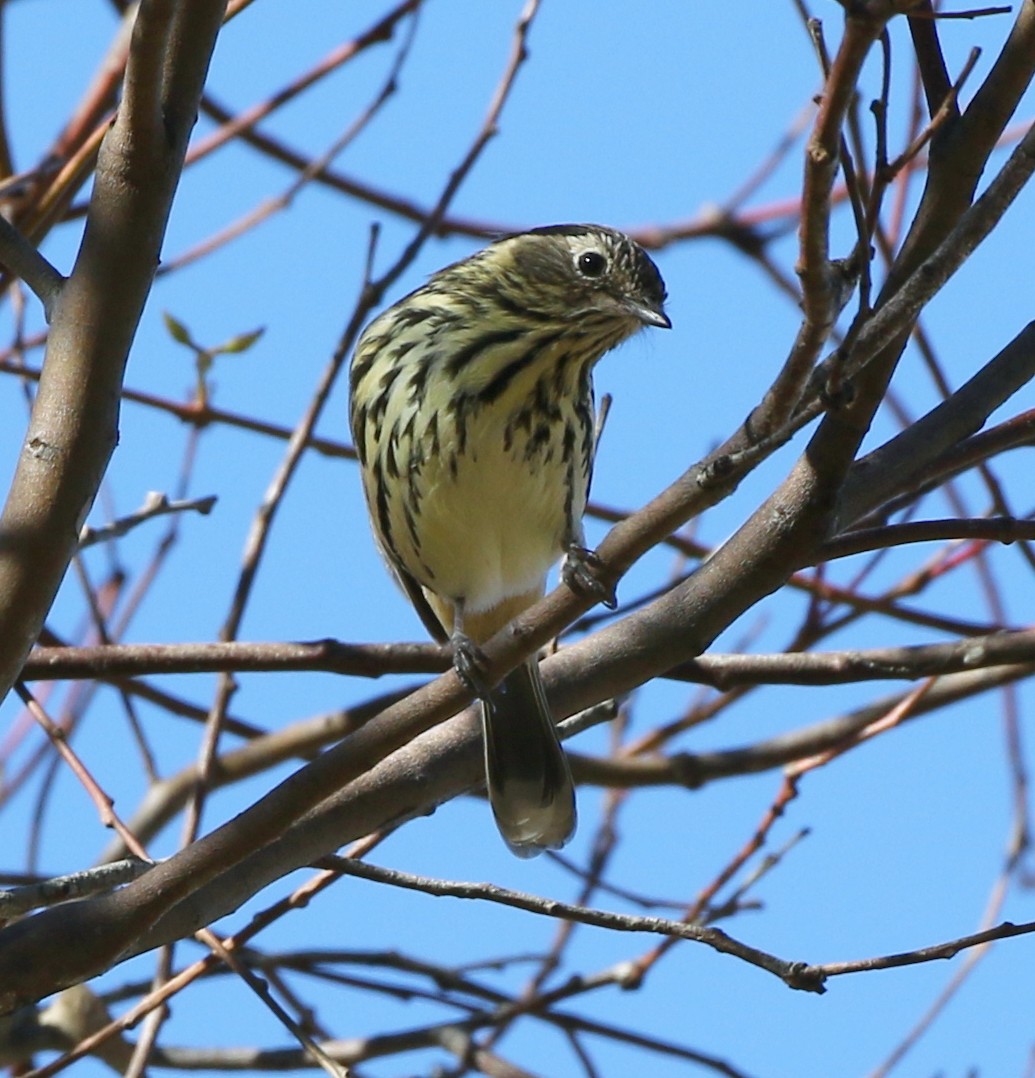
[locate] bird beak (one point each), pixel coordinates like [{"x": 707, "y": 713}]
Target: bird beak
[{"x": 650, "y": 316}]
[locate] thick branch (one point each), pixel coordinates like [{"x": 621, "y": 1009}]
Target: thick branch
[
  {"x": 894, "y": 466},
  {"x": 447, "y": 760},
  {"x": 74, "y": 425}
]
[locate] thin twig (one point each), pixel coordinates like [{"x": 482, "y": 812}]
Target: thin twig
[
  {"x": 26, "y": 262},
  {"x": 155, "y": 505},
  {"x": 711, "y": 937}
]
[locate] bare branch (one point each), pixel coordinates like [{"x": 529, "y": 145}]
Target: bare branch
[
  {"x": 131, "y": 660},
  {"x": 76, "y": 885},
  {"x": 72, "y": 431},
  {"x": 874, "y": 664},
  {"x": 25, "y": 261},
  {"x": 715, "y": 938},
  {"x": 155, "y": 505}
]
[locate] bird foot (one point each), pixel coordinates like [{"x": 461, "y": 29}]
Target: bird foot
[
  {"x": 583, "y": 573},
  {"x": 470, "y": 664}
]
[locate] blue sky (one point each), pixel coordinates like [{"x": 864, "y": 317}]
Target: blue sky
[{"x": 629, "y": 115}]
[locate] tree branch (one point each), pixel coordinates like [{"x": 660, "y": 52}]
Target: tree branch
[
  {"x": 23, "y": 260},
  {"x": 74, "y": 424}
]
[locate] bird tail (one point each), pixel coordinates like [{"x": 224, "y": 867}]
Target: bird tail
[{"x": 529, "y": 782}]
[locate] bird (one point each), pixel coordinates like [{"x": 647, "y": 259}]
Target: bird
[{"x": 471, "y": 408}]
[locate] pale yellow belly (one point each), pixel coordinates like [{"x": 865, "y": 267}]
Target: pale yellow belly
[
  {"x": 474, "y": 495},
  {"x": 495, "y": 528}
]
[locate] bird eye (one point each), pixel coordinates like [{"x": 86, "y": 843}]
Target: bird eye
[{"x": 591, "y": 264}]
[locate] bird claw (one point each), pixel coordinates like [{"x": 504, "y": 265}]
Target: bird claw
[
  {"x": 470, "y": 664},
  {"x": 582, "y": 571}
]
